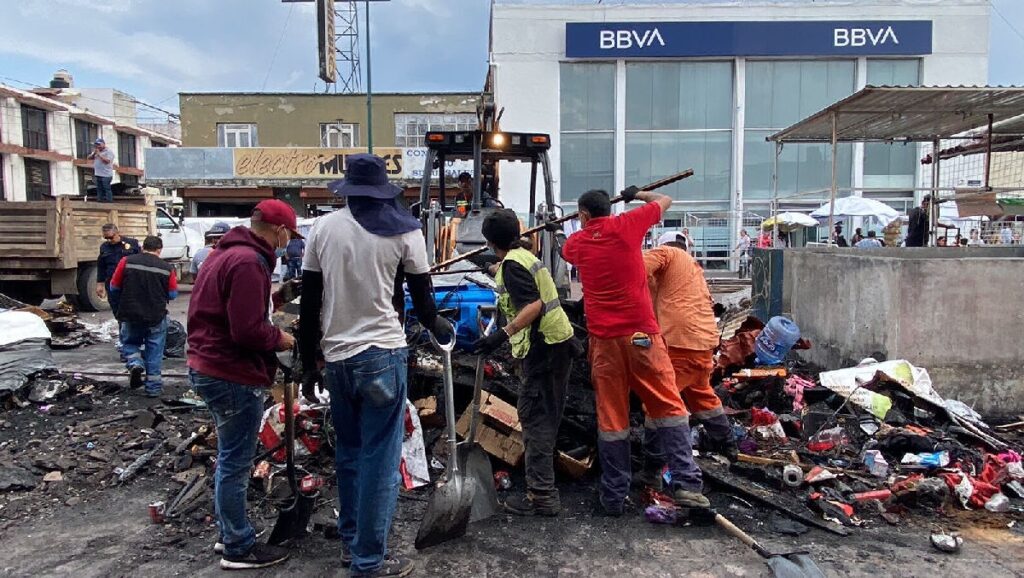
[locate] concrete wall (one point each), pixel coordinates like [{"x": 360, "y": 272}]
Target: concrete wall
[
  {"x": 293, "y": 119},
  {"x": 529, "y": 45},
  {"x": 955, "y": 312}
]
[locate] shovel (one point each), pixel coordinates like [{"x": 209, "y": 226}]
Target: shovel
[
  {"x": 472, "y": 456},
  {"x": 783, "y": 565},
  {"x": 450, "y": 505},
  {"x": 293, "y": 519}
]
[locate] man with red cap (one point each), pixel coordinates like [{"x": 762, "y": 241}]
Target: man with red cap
[{"x": 232, "y": 364}]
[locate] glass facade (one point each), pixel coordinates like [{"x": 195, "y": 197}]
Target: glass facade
[
  {"x": 587, "y": 128},
  {"x": 892, "y": 166}
]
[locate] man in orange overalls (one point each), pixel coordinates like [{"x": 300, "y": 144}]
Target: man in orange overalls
[
  {"x": 683, "y": 305},
  {"x": 627, "y": 351}
]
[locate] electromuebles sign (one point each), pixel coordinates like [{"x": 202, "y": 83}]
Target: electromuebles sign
[
  {"x": 702, "y": 39},
  {"x": 305, "y": 163}
]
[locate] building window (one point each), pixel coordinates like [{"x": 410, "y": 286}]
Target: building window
[
  {"x": 86, "y": 179},
  {"x": 157, "y": 144},
  {"x": 86, "y": 134},
  {"x": 130, "y": 180},
  {"x": 411, "y": 128},
  {"x": 779, "y": 94},
  {"x": 127, "y": 150},
  {"x": 3, "y": 187},
  {"x": 33, "y": 126},
  {"x": 234, "y": 135},
  {"x": 587, "y": 128},
  {"x": 37, "y": 179},
  {"x": 892, "y": 166},
  {"x": 337, "y": 135},
  {"x": 679, "y": 116}
]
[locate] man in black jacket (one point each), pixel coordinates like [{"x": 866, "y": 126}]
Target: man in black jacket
[{"x": 143, "y": 284}]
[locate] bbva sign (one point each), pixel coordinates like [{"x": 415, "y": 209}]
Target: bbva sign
[
  {"x": 843, "y": 37},
  {"x": 625, "y": 39}
]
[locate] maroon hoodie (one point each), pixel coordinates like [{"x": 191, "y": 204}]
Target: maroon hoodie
[{"x": 230, "y": 335}]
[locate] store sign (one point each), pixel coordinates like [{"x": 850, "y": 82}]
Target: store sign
[
  {"x": 702, "y": 39},
  {"x": 305, "y": 163}
]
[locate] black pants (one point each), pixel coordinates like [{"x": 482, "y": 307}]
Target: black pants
[{"x": 541, "y": 402}]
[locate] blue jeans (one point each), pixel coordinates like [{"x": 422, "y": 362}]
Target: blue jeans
[
  {"x": 368, "y": 393},
  {"x": 104, "y": 194},
  {"x": 143, "y": 346},
  {"x": 294, "y": 269},
  {"x": 237, "y": 410}
]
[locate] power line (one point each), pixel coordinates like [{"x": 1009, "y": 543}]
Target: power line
[
  {"x": 278, "y": 47},
  {"x": 131, "y": 98},
  {"x": 1005, "y": 19}
]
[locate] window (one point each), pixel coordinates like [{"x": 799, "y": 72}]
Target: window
[
  {"x": 411, "y": 128},
  {"x": 892, "y": 166},
  {"x": 3, "y": 188},
  {"x": 33, "y": 126},
  {"x": 237, "y": 135},
  {"x": 86, "y": 179},
  {"x": 778, "y": 94},
  {"x": 678, "y": 116},
  {"x": 37, "y": 179},
  {"x": 86, "y": 134},
  {"x": 587, "y": 128},
  {"x": 339, "y": 135},
  {"x": 157, "y": 144},
  {"x": 127, "y": 151},
  {"x": 130, "y": 180}
]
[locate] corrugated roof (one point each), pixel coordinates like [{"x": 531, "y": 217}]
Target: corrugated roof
[{"x": 909, "y": 114}]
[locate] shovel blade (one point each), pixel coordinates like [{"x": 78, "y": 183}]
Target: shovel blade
[
  {"x": 477, "y": 469},
  {"x": 447, "y": 514},
  {"x": 794, "y": 566},
  {"x": 293, "y": 520}
]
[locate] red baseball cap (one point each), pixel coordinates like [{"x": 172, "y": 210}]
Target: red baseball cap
[{"x": 275, "y": 212}]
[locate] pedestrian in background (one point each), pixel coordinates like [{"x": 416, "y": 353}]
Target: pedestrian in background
[
  {"x": 294, "y": 253},
  {"x": 212, "y": 237},
  {"x": 1006, "y": 235},
  {"x": 144, "y": 283},
  {"x": 869, "y": 242},
  {"x": 232, "y": 364},
  {"x": 112, "y": 250},
  {"x": 103, "y": 170}
]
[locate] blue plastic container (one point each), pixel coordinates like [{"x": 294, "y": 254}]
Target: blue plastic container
[
  {"x": 775, "y": 341},
  {"x": 465, "y": 299}
]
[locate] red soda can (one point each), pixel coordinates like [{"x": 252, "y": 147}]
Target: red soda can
[{"x": 156, "y": 512}]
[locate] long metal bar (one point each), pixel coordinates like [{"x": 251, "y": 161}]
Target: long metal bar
[
  {"x": 933, "y": 207},
  {"x": 775, "y": 193},
  {"x": 988, "y": 153},
  {"x": 835, "y": 176},
  {"x": 369, "y": 86}
]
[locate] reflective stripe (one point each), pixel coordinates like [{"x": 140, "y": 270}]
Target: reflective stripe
[
  {"x": 613, "y": 436},
  {"x": 147, "y": 269},
  {"x": 709, "y": 413},
  {"x": 552, "y": 305},
  {"x": 536, "y": 267},
  {"x": 670, "y": 421}
]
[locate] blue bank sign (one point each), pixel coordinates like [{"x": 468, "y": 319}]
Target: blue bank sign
[{"x": 697, "y": 39}]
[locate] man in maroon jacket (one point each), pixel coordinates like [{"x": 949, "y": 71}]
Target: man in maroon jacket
[{"x": 232, "y": 363}]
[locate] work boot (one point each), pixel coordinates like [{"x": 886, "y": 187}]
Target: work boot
[
  {"x": 648, "y": 478},
  {"x": 532, "y": 504},
  {"x": 136, "y": 376},
  {"x": 392, "y": 567},
  {"x": 688, "y": 499},
  {"x": 259, "y": 556}
]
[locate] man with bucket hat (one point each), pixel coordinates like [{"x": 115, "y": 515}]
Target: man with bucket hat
[{"x": 352, "y": 276}]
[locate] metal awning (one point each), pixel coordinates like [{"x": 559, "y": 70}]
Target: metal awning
[{"x": 911, "y": 114}]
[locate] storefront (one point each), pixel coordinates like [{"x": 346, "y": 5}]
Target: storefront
[{"x": 633, "y": 93}]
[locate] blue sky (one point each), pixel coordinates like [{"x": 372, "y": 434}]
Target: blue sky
[{"x": 155, "y": 48}]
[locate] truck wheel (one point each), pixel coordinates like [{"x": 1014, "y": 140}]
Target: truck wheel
[{"x": 87, "y": 299}]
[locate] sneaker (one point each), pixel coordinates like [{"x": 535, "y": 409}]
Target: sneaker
[
  {"x": 218, "y": 548},
  {"x": 530, "y": 505},
  {"x": 136, "y": 376},
  {"x": 688, "y": 499},
  {"x": 346, "y": 555},
  {"x": 649, "y": 479},
  {"x": 395, "y": 567},
  {"x": 259, "y": 556},
  {"x": 609, "y": 510}
]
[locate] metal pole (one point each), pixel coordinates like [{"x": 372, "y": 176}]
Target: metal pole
[
  {"x": 775, "y": 193},
  {"x": 988, "y": 155},
  {"x": 835, "y": 174},
  {"x": 933, "y": 207},
  {"x": 369, "y": 87}
]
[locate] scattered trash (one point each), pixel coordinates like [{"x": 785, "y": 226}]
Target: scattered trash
[
  {"x": 793, "y": 476},
  {"x": 156, "y": 512},
  {"x": 998, "y": 503},
  {"x": 502, "y": 481},
  {"x": 876, "y": 464},
  {"x": 948, "y": 543}
]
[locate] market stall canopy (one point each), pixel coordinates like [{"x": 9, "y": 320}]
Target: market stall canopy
[
  {"x": 858, "y": 207},
  {"x": 790, "y": 221},
  {"x": 909, "y": 114}
]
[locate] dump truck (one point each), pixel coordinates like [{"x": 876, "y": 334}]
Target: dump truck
[{"x": 49, "y": 248}]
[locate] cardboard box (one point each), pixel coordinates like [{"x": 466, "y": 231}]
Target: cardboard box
[
  {"x": 499, "y": 431},
  {"x": 426, "y": 408},
  {"x": 572, "y": 467}
]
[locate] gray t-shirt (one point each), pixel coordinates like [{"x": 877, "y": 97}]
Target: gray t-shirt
[
  {"x": 101, "y": 168},
  {"x": 359, "y": 271}
]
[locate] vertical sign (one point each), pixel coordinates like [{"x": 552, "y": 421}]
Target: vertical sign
[{"x": 325, "y": 41}]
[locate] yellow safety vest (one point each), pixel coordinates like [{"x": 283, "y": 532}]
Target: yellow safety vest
[{"x": 554, "y": 323}]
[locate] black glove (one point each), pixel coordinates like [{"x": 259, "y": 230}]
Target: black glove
[
  {"x": 553, "y": 227},
  {"x": 485, "y": 345},
  {"x": 442, "y": 330},
  {"x": 290, "y": 290},
  {"x": 629, "y": 194},
  {"x": 310, "y": 379}
]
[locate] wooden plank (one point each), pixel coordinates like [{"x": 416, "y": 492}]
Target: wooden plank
[
  {"x": 33, "y": 218},
  {"x": 21, "y": 227},
  {"x": 22, "y": 237}
]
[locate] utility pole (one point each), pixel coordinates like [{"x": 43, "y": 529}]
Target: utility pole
[{"x": 369, "y": 86}]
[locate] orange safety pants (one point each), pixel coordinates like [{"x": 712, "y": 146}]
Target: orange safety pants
[{"x": 693, "y": 379}]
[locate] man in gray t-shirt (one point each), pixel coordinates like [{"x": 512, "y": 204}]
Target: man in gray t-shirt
[{"x": 103, "y": 170}]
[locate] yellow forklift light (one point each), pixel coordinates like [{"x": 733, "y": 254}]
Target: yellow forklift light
[{"x": 498, "y": 140}]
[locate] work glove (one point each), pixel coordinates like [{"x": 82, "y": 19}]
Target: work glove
[
  {"x": 629, "y": 194},
  {"x": 442, "y": 330},
  {"x": 290, "y": 290},
  {"x": 310, "y": 378},
  {"x": 553, "y": 227},
  {"x": 486, "y": 345}
]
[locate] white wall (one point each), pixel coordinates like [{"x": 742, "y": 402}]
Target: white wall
[{"x": 529, "y": 44}]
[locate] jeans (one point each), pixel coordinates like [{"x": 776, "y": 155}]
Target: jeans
[
  {"x": 143, "y": 346},
  {"x": 368, "y": 393},
  {"x": 237, "y": 410},
  {"x": 104, "y": 194},
  {"x": 294, "y": 269}
]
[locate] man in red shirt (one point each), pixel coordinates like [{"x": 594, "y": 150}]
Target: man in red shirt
[{"x": 627, "y": 351}]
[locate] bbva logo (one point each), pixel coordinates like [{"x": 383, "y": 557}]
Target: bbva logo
[
  {"x": 624, "y": 39},
  {"x": 864, "y": 36}
]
